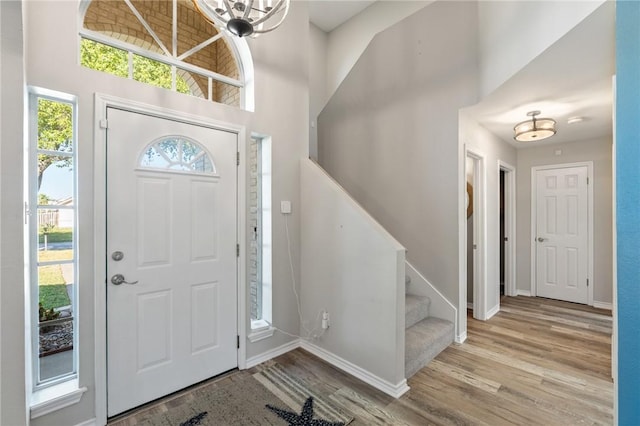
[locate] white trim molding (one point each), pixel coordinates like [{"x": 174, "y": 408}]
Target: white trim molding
[
  {"x": 273, "y": 353},
  {"x": 52, "y": 399},
  {"x": 526, "y": 293},
  {"x": 491, "y": 312},
  {"x": 460, "y": 338},
  {"x": 603, "y": 305},
  {"x": 383, "y": 385},
  {"x": 90, "y": 422}
]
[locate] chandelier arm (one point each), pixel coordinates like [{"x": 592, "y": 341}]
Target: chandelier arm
[
  {"x": 272, "y": 12},
  {"x": 247, "y": 10},
  {"x": 229, "y": 8}
]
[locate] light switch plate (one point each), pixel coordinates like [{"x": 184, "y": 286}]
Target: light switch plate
[{"x": 285, "y": 207}]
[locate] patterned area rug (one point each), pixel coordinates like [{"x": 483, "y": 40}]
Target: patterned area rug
[{"x": 268, "y": 397}]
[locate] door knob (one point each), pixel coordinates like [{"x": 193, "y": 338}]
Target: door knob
[
  {"x": 541, "y": 240},
  {"x": 118, "y": 279}
]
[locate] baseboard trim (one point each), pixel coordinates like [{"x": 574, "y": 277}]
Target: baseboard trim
[
  {"x": 523, "y": 293},
  {"x": 493, "y": 311},
  {"x": 270, "y": 354},
  {"x": 603, "y": 305},
  {"x": 395, "y": 391},
  {"x": 461, "y": 337},
  {"x": 90, "y": 422},
  {"x": 469, "y": 305}
]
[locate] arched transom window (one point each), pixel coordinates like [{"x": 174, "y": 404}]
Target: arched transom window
[
  {"x": 177, "y": 153},
  {"x": 165, "y": 43}
]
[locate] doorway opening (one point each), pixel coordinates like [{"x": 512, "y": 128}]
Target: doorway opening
[
  {"x": 507, "y": 225},
  {"x": 475, "y": 235}
]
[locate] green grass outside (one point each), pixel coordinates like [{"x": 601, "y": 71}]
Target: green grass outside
[
  {"x": 52, "y": 287},
  {"x": 54, "y": 296},
  {"x": 57, "y": 235}
]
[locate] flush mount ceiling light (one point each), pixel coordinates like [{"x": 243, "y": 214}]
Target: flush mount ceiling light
[
  {"x": 535, "y": 129},
  {"x": 244, "y": 18}
]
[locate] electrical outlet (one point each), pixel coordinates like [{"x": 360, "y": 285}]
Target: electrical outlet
[
  {"x": 325, "y": 320},
  {"x": 285, "y": 207}
]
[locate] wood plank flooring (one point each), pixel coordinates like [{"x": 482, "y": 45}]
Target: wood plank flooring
[{"x": 536, "y": 362}]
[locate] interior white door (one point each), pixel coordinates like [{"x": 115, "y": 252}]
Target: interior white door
[
  {"x": 171, "y": 236},
  {"x": 562, "y": 234}
]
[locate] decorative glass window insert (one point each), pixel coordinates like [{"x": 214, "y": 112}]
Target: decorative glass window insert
[
  {"x": 164, "y": 43},
  {"x": 178, "y": 154},
  {"x": 52, "y": 238},
  {"x": 260, "y": 252}
]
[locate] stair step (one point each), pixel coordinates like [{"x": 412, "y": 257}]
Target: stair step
[
  {"x": 416, "y": 309},
  {"x": 424, "y": 341}
]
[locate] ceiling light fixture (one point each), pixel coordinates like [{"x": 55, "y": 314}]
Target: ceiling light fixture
[
  {"x": 535, "y": 129},
  {"x": 244, "y": 18}
]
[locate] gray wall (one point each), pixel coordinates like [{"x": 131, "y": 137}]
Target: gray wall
[
  {"x": 389, "y": 135},
  {"x": 353, "y": 269},
  {"x": 598, "y": 151},
  {"x": 12, "y": 359},
  {"x": 317, "y": 83}
]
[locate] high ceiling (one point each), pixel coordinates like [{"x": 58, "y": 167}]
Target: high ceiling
[
  {"x": 572, "y": 78},
  {"x": 329, "y": 14}
]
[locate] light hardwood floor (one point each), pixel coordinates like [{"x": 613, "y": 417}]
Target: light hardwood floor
[{"x": 536, "y": 362}]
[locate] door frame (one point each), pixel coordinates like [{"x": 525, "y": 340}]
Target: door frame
[
  {"x": 510, "y": 227},
  {"x": 534, "y": 221},
  {"x": 480, "y": 231},
  {"x": 101, "y": 103}
]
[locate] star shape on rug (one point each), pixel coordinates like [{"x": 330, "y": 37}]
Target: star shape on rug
[{"x": 303, "y": 419}]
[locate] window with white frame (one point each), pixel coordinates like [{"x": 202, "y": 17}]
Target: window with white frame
[
  {"x": 164, "y": 43},
  {"x": 52, "y": 237},
  {"x": 260, "y": 212}
]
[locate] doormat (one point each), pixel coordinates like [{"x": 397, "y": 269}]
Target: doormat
[{"x": 241, "y": 399}]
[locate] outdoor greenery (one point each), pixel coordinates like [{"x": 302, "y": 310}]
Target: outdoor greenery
[
  {"x": 114, "y": 61},
  {"x": 53, "y": 296},
  {"x": 56, "y": 235},
  {"x": 55, "y": 133},
  {"x": 52, "y": 286}
]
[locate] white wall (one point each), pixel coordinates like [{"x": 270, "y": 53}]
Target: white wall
[
  {"x": 281, "y": 111},
  {"x": 347, "y": 42},
  {"x": 354, "y": 269},
  {"x": 512, "y": 33},
  {"x": 598, "y": 151},
  {"x": 493, "y": 149},
  {"x": 318, "y": 41},
  {"x": 389, "y": 135},
  {"x": 12, "y": 352}
]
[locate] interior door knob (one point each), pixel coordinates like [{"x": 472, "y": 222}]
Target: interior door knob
[{"x": 541, "y": 240}]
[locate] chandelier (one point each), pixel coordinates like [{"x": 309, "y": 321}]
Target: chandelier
[
  {"x": 244, "y": 18},
  {"x": 535, "y": 129}
]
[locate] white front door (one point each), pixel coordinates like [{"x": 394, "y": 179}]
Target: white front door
[
  {"x": 561, "y": 235},
  {"x": 171, "y": 236}
]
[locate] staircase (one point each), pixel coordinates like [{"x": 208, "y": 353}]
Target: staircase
[{"x": 425, "y": 336}]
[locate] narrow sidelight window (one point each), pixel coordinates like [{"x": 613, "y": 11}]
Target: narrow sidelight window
[
  {"x": 52, "y": 237},
  {"x": 260, "y": 212}
]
